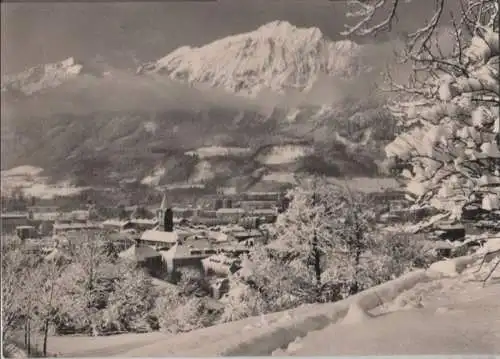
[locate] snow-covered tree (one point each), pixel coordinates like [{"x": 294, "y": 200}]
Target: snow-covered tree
[
  {"x": 130, "y": 305},
  {"x": 15, "y": 289},
  {"x": 448, "y": 154},
  {"x": 303, "y": 234},
  {"x": 49, "y": 298},
  {"x": 326, "y": 228},
  {"x": 273, "y": 281},
  {"x": 21, "y": 282},
  {"x": 87, "y": 283}
]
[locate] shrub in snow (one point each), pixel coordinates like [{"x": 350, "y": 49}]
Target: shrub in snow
[
  {"x": 191, "y": 282},
  {"x": 179, "y": 314},
  {"x": 277, "y": 284},
  {"x": 165, "y": 307},
  {"x": 130, "y": 305},
  {"x": 188, "y": 307},
  {"x": 241, "y": 301},
  {"x": 400, "y": 253},
  {"x": 449, "y": 155}
]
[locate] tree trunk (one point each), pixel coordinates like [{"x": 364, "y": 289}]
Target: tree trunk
[
  {"x": 316, "y": 257},
  {"x": 27, "y": 328},
  {"x": 45, "y": 336},
  {"x": 49, "y": 313},
  {"x": 317, "y": 262},
  {"x": 26, "y": 333},
  {"x": 28, "y": 345},
  {"x": 355, "y": 285}
]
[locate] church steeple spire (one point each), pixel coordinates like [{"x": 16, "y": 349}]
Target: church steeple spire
[
  {"x": 163, "y": 205},
  {"x": 165, "y": 216}
]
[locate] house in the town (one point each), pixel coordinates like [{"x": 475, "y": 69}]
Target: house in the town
[
  {"x": 219, "y": 236},
  {"x": 449, "y": 231},
  {"x": 26, "y": 232},
  {"x": 81, "y": 215},
  {"x": 231, "y": 214},
  {"x": 42, "y": 209},
  {"x": 121, "y": 240},
  {"x": 34, "y": 247},
  {"x": 137, "y": 224},
  {"x": 243, "y": 235},
  {"x": 44, "y": 221},
  {"x": 64, "y": 228},
  {"x": 250, "y": 222},
  {"x": 211, "y": 222},
  {"x": 206, "y": 213},
  {"x": 261, "y": 196},
  {"x": 441, "y": 249},
  {"x": 188, "y": 254},
  {"x": 43, "y": 213},
  {"x": 219, "y": 287},
  {"x": 266, "y": 215},
  {"x": 233, "y": 249},
  {"x": 144, "y": 257},
  {"x": 220, "y": 265},
  {"x": 116, "y": 225},
  {"x": 161, "y": 240},
  {"x": 251, "y": 205},
  {"x": 9, "y": 221},
  {"x": 182, "y": 212},
  {"x": 143, "y": 224}
]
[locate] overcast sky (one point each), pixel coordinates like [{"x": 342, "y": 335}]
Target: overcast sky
[{"x": 34, "y": 33}]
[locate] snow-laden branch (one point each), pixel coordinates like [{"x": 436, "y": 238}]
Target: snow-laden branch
[
  {"x": 454, "y": 152},
  {"x": 366, "y": 12}
]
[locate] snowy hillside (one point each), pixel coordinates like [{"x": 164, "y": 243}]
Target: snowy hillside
[
  {"x": 277, "y": 56},
  {"x": 218, "y": 151},
  {"x": 284, "y": 154},
  {"x": 29, "y": 179}
]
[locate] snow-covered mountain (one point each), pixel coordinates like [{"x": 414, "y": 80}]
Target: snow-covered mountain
[
  {"x": 46, "y": 76},
  {"x": 277, "y": 56}
]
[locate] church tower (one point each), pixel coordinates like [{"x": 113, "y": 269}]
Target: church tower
[{"x": 165, "y": 216}]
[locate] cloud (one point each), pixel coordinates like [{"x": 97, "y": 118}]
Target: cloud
[{"x": 125, "y": 91}]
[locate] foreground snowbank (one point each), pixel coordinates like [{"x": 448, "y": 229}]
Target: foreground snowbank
[
  {"x": 458, "y": 327},
  {"x": 382, "y": 305},
  {"x": 454, "y": 314}
]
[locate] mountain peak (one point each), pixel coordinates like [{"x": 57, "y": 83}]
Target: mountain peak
[
  {"x": 283, "y": 28},
  {"x": 277, "y": 56}
]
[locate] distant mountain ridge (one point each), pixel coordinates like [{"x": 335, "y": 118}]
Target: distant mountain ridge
[
  {"x": 141, "y": 135},
  {"x": 47, "y": 76}
]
